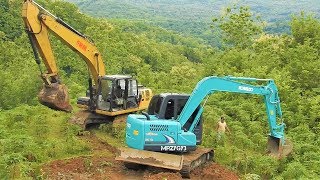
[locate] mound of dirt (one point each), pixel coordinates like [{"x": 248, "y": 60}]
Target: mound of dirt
[
  {"x": 85, "y": 168},
  {"x": 102, "y": 165}
]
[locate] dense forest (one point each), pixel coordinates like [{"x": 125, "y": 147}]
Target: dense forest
[
  {"x": 193, "y": 17},
  {"x": 32, "y": 135}
]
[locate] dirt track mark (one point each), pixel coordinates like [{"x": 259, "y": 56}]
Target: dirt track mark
[{"x": 102, "y": 165}]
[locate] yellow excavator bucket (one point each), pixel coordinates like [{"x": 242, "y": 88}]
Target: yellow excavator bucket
[
  {"x": 277, "y": 149},
  {"x": 156, "y": 159},
  {"x": 55, "y": 96}
]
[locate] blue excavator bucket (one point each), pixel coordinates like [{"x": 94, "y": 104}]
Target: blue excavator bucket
[{"x": 278, "y": 148}]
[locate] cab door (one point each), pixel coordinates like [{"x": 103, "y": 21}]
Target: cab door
[{"x": 131, "y": 94}]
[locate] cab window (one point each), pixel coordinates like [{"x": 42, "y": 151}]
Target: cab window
[
  {"x": 155, "y": 105},
  {"x": 133, "y": 88},
  {"x": 180, "y": 105},
  {"x": 169, "y": 109}
]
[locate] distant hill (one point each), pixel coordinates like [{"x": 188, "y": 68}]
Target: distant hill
[
  {"x": 194, "y": 10},
  {"x": 193, "y": 17}
]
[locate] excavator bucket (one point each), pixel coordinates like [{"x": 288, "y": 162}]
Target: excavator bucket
[
  {"x": 156, "y": 159},
  {"x": 56, "y": 97},
  {"x": 279, "y": 149}
]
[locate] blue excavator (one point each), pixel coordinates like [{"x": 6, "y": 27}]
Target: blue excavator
[{"x": 168, "y": 135}]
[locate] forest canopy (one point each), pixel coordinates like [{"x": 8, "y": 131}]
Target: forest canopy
[{"x": 190, "y": 17}]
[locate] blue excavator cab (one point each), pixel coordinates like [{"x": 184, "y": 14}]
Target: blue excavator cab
[{"x": 159, "y": 130}]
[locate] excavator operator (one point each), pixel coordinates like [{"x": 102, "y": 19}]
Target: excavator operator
[{"x": 118, "y": 92}]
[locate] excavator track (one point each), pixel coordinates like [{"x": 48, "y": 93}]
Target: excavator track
[
  {"x": 195, "y": 159},
  {"x": 86, "y": 119}
]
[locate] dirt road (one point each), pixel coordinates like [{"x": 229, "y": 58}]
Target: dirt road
[{"x": 101, "y": 165}]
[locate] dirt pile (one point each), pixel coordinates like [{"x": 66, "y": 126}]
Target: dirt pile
[
  {"x": 162, "y": 176},
  {"x": 107, "y": 168},
  {"x": 102, "y": 165},
  {"x": 86, "y": 168},
  {"x": 213, "y": 171}
]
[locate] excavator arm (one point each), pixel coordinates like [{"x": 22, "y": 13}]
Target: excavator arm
[
  {"x": 214, "y": 84},
  {"x": 38, "y": 23}
]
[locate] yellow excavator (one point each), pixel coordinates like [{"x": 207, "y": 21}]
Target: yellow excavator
[{"x": 108, "y": 96}]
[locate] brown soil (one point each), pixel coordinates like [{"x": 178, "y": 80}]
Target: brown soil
[
  {"x": 101, "y": 165},
  {"x": 162, "y": 176},
  {"x": 213, "y": 171}
]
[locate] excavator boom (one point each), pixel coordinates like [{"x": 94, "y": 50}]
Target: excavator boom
[{"x": 38, "y": 23}]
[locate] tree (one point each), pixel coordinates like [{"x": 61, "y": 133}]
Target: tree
[
  {"x": 9, "y": 23},
  {"x": 239, "y": 27},
  {"x": 304, "y": 28}
]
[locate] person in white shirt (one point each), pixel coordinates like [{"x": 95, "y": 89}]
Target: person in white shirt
[{"x": 222, "y": 127}]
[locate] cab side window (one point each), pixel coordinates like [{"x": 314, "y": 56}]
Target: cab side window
[
  {"x": 169, "y": 110},
  {"x": 180, "y": 105},
  {"x": 155, "y": 105}
]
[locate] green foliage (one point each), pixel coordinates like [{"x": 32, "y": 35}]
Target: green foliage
[
  {"x": 239, "y": 27},
  {"x": 305, "y": 27},
  {"x": 191, "y": 17},
  {"x": 292, "y": 62},
  {"x": 296, "y": 170},
  {"x": 16, "y": 84},
  {"x": 31, "y": 135},
  {"x": 116, "y": 130},
  {"x": 9, "y": 24}
]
